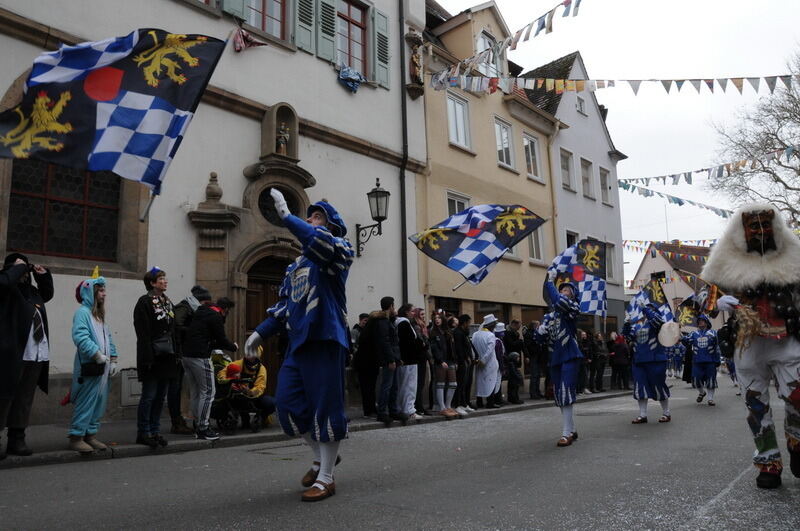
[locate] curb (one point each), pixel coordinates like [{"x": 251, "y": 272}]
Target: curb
[{"x": 189, "y": 445}]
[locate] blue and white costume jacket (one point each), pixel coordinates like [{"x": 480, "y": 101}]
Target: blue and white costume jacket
[
  {"x": 558, "y": 327},
  {"x": 676, "y": 352},
  {"x": 313, "y": 302},
  {"x": 705, "y": 347},
  {"x": 644, "y": 334}
]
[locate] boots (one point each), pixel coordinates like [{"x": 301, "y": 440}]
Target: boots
[
  {"x": 179, "y": 427},
  {"x": 3, "y": 453},
  {"x": 92, "y": 441},
  {"x": 77, "y": 444},
  {"x": 16, "y": 442}
]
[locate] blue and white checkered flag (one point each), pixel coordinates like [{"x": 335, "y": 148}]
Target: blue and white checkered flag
[
  {"x": 651, "y": 293},
  {"x": 584, "y": 264}
]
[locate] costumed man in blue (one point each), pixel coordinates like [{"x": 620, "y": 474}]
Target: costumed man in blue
[
  {"x": 95, "y": 363},
  {"x": 675, "y": 359},
  {"x": 706, "y": 359},
  {"x": 649, "y": 363},
  {"x": 559, "y": 330},
  {"x": 312, "y": 309}
]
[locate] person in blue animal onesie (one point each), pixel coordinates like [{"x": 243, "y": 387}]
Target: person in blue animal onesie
[
  {"x": 649, "y": 364},
  {"x": 95, "y": 347},
  {"x": 706, "y": 359},
  {"x": 558, "y": 329},
  {"x": 312, "y": 310}
]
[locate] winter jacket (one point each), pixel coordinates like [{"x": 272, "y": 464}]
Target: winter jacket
[
  {"x": 17, "y": 303},
  {"x": 513, "y": 342},
  {"x": 622, "y": 355},
  {"x": 385, "y": 340},
  {"x": 463, "y": 348},
  {"x": 442, "y": 347},
  {"x": 366, "y": 355},
  {"x": 206, "y": 332},
  {"x": 183, "y": 316},
  {"x": 154, "y": 317},
  {"x": 409, "y": 344}
]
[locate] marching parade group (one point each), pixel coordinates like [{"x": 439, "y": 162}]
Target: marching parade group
[{"x": 756, "y": 263}]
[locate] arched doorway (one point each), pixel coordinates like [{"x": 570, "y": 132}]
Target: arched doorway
[{"x": 263, "y": 282}]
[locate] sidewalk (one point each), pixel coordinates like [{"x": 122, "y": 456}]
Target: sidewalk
[{"x": 49, "y": 441}]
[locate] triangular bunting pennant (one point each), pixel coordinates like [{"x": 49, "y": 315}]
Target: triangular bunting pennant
[
  {"x": 754, "y": 82},
  {"x": 696, "y": 84},
  {"x": 634, "y": 83},
  {"x": 679, "y": 83},
  {"x": 710, "y": 84},
  {"x": 787, "y": 80},
  {"x": 771, "y": 82},
  {"x": 667, "y": 84},
  {"x": 738, "y": 82},
  {"x": 723, "y": 83}
]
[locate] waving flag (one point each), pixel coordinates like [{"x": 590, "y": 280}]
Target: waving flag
[
  {"x": 121, "y": 104},
  {"x": 472, "y": 241},
  {"x": 688, "y": 311},
  {"x": 651, "y": 293},
  {"x": 585, "y": 265}
]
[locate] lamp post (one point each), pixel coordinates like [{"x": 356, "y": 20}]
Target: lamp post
[{"x": 378, "y": 199}]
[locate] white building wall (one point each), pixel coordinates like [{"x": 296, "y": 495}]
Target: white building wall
[
  {"x": 223, "y": 142},
  {"x": 585, "y": 138}
]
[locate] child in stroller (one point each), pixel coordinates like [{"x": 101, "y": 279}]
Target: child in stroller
[{"x": 240, "y": 394}]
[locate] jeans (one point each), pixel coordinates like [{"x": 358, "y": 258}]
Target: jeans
[
  {"x": 151, "y": 402},
  {"x": 387, "y": 398},
  {"x": 535, "y": 392},
  {"x": 461, "y": 397},
  {"x": 367, "y": 376},
  {"x": 174, "y": 394},
  {"x": 596, "y": 372}
]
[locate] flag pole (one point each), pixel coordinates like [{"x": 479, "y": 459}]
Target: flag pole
[
  {"x": 149, "y": 204},
  {"x": 455, "y": 288}
]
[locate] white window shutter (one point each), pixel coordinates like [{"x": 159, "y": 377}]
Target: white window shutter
[
  {"x": 304, "y": 25},
  {"x": 380, "y": 56},
  {"x": 235, "y": 8},
  {"x": 326, "y": 30}
]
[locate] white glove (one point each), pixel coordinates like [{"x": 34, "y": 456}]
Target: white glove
[
  {"x": 252, "y": 344},
  {"x": 113, "y": 370},
  {"x": 280, "y": 202},
  {"x": 100, "y": 358},
  {"x": 727, "y": 303},
  {"x": 552, "y": 274}
]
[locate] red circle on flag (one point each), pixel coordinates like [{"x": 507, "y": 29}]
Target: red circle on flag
[
  {"x": 103, "y": 84},
  {"x": 578, "y": 273}
]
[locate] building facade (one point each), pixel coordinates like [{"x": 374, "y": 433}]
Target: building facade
[
  {"x": 484, "y": 148},
  {"x": 214, "y": 223},
  {"x": 585, "y": 176}
]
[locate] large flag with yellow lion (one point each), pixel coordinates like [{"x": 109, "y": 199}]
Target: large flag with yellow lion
[
  {"x": 122, "y": 104},
  {"x": 584, "y": 264},
  {"x": 473, "y": 240}
]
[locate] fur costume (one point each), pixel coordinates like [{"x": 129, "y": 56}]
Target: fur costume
[{"x": 757, "y": 259}]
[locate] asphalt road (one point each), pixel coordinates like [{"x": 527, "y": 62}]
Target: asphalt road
[{"x": 496, "y": 472}]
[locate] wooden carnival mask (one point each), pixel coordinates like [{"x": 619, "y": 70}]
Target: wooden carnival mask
[{"x": 758, "y": 231}]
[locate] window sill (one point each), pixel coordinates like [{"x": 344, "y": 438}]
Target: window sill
[
  {"x": 507, "y": 167},
  {"x": 537, "y": 180},
  {"x": 582, "y": 113},
  {"x": 512, "y": 258},
  {"x": 589, "y": 197},
  {"x": 609, "y": 205},
  {"x": 612, "y": 282},
  {"x": 270, "y": 39},
  {"x": 535, "y": 262},
  {"x": 76, "y": 266},
  {"x": 208, "y": 10},
  {"x": 569, "y": 189},
  {"x": 465, "y": 149}
]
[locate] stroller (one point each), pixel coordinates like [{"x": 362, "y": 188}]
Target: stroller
[{"x": 231, "y": 403}]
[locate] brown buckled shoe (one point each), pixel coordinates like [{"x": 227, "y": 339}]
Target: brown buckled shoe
[
  {"x": 564, "y": 441},
  {"x": 311, "y": 475},
  {"x": 315, "y": 493}
]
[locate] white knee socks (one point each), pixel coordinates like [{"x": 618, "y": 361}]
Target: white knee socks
[
  {"x": 440, "y": 397},
  {"x": 328, "y": 451},
  {"x": 314, "y": 448},
  {"x": 711, "y": 394},
  {"x": 643, "y": 407},
  {"x": 451, "y": 390},
  {"x": 665, "y": 406},
  {"x": 568, "y": 423}
]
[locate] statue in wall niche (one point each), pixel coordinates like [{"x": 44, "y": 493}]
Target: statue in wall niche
[
  {"x": 282, "y": 140},
  {"x": 414, "y": 41}
]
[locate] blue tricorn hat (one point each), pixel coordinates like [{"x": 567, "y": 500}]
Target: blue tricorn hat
[{"x": 335, "y": 222}]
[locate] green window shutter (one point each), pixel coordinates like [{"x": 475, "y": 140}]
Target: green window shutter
[
  {"x": 380, "y": 55},
  {"x": 326, "y": 30},
  {"x": 304, "y": 22},
  {"x": 234, "y": 7}
]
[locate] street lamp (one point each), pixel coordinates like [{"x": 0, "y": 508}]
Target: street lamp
[{"x": 378, "y": 199}]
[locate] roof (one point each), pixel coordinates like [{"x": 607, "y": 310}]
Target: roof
[
  {"x": 558, "y": 69},
  {"x": 684, "y": 264},
  {"x": 433, "y": 8}
]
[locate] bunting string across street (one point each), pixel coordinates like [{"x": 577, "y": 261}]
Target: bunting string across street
[{"x": 647, "y": 192}]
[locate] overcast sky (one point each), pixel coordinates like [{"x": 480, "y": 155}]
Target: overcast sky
[{"x": 660, "y": 133}]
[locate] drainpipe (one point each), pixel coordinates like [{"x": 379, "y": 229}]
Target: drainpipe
[
  {"x": 550, "y": 141},
  {"x": 404, "y": 161}
]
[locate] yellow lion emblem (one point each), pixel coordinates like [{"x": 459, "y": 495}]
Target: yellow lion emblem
[
  {"x": 157, "y": 57},
  {"x": 656, "y": 293},
  {"x": 31, "y": 130},
  {"x": 431, "y": 238},
  {"x": 591, "y": 260},
  {"x": 507, "y": 220},
  {"x": 685, "y": 316}
]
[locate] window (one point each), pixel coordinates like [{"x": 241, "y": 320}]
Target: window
[
  {"x": 351, "y": 35},
  {"x": 268, "y": 16},
  {"x": 658, "y": 275},
  {"x": 572, "y": 238},
  {"x": 505, "y": 153},
  {"x": 458, "y": 120},
  {"x": 531, "y": 147},
  {"x": 586, "y": 178},
  {"x": 487, "y": 42},
  {"x": 610, "y": 249},
  {"x": 535, "y": 245},
  {"x": 60, "y": 211},
  {"x": 456, "y": 203},
  {"x": 605, "y": 190},
  {"x": 566, "y": 169},
  {"x": 581, "y": 106}
]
